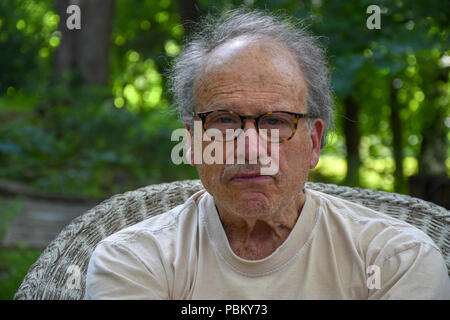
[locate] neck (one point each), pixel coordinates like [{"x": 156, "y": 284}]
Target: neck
[{"x": 256, "y": 237}]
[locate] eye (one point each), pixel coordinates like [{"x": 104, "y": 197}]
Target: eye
[
  {"x": 225, "y": 119},
  {"x": 276, "y": 120},
  {"x": 222, "y": 120},
  {"x": 272, "y": 121}
]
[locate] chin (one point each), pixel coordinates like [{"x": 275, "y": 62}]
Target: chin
[{"x": 253, "y": 204}]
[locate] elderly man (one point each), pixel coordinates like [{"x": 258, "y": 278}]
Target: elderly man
[{"x": 250, "y": 235}]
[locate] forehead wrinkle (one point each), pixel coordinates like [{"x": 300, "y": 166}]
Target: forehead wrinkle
[
  {"x": 250, "y": 67},
  {"x": 228, "y": 52},
  {"x": 273, "y": 55},
  {"x": 235, "y": 99}
]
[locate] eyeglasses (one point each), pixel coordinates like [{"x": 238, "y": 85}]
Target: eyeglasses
[{"x": 283, "y": 121}]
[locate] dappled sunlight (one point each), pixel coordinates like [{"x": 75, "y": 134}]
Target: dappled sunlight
[
  {"x": 86, "y": 112},
  {"x": 375, "y": 173},
  {"x": 330, "y": 167},
  {"x": 140, "y": 86},
  {"x": 61, "y": 134}
]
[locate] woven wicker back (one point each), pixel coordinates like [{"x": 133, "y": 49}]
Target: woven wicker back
[{"x": 60, "y": 271}]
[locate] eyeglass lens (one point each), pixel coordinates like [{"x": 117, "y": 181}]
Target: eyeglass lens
[{"x": 223, "y": 121}]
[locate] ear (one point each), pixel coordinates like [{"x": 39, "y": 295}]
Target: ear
[
  {"x": 189, "y": 146},
  {"x": 316, "y": 140}
]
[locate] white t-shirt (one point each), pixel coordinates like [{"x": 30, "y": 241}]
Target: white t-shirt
[{"x": 336, "y": 250}]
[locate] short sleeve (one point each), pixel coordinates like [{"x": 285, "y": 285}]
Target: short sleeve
[
  {"x": 418, "y": 273},
  {"x": 115, "y": 272}
]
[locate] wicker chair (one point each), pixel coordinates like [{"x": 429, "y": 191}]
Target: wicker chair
[{"x": 54, "y": 275}]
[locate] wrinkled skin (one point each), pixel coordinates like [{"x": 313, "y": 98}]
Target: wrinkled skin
[{"x": 252, "y": 77}]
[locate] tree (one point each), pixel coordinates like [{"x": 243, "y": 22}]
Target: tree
[
  {"x": 397, "y": 140},
  {"x": 352, "y": 140},
  {"x": 86, "y": 50}
]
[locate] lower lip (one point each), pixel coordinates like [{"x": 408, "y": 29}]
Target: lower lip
[{"x": 252, "y": 179}]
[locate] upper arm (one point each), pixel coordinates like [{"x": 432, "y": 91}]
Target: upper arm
[
  {"x": 115, "y": 272},
  {"x": 415, "y": 273}
]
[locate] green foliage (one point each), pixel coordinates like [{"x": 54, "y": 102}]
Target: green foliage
[
  {"x": 14, "y": 265},
  {"x": 26, "y": 28},
  {"x": 90, "y": 147},
  {"x": 62, "y": 136},
  {"x": 94, "y": 141},
  {"x": 14, "y": 262},
  {"x": 368, "y": 64},
  {"x": 146, "y": 35}
]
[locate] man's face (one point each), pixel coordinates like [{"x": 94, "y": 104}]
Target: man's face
[{"x": 252, "y": 78}]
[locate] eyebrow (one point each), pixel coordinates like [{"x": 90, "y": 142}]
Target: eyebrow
[{"x": 214, "y": 107}]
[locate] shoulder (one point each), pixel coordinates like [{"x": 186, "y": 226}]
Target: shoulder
[
  {"x": 368, "y": 223},
  {"x": 405, "y": 256},
  {"x": 152, "y": 241},
  {"x": 375, "y": 235},
  {"x": 156, "y": 227},
  {"x": 136, "y": 261}
]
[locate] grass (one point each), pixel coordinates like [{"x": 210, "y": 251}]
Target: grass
[{"x": 14, "y": 262}]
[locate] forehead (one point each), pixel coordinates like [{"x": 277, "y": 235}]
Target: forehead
[{"x": 248, "y": 72}]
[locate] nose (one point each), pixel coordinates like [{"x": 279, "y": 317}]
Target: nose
[
  {"x": 251, "y": 137},
  {"x": 249, "y": 123}
]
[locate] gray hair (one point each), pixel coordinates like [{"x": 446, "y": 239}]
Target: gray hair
[{"x": 250, "y": 22}]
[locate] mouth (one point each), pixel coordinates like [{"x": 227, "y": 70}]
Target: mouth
[{"x": 250, "y": 177}]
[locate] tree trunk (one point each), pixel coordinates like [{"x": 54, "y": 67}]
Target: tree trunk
[
  {"x": 86, "y": 50},
  {"x": 432, "y": 183},
  {"x": 95, "y": 40},
  {"x": 352, "y": 139},
  {"x": 397, "y": 142},
  {"x": 65, "y": 57},
  {"x": 433, "y": 151}
]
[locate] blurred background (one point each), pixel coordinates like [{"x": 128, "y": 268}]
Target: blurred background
[{"x": 85, "y": 114}]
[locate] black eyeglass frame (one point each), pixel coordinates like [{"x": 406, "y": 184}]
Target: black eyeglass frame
[{"x": 296, "y": 116}]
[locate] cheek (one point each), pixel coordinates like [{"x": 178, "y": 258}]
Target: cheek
[
  {"x": 295, "y": 161},
  {"x": 210, "y": 175}
]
